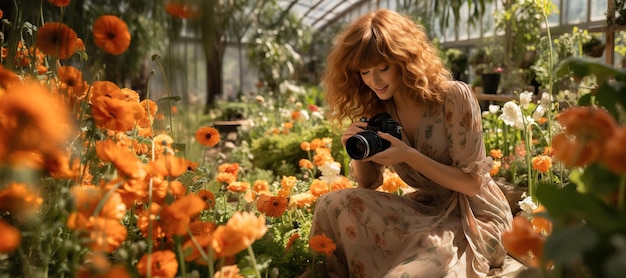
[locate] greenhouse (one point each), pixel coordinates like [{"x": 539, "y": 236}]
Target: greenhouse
[{"x": 313, "y": 138}]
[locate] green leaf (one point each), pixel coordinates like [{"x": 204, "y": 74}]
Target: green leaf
[
  {"x": 568, "y": 244},
  {"x": 567, "y": 204}
]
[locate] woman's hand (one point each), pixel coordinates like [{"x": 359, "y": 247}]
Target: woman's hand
[
  {"x": 396, "y": 153},
  {"x": 354, "y": 128}
]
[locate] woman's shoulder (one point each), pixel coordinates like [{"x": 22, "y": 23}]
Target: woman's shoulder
[{"x": 458, "y": 91}]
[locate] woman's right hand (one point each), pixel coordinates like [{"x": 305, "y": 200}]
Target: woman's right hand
[{"x": 354, "y": 128}]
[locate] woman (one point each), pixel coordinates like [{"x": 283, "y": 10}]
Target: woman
[{"x": 451, "y": 224}]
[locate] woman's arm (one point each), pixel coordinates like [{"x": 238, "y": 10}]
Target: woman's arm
[{"x": 367, "y": 174}]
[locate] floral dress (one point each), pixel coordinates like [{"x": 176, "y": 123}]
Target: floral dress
[{"x": 433, "y": 231}]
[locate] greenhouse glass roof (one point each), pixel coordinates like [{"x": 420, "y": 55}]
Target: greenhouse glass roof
[{"x": 319, "y": 13}]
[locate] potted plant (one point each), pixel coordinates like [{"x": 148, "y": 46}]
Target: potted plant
[
  {"x": 487, "y": 65},
  {"x": 457, "y": 61}
]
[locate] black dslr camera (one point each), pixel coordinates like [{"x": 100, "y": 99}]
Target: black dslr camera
[{"x": 367, "y": 143}]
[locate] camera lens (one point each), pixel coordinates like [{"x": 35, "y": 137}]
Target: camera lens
[{"x": 363, "y": 144}]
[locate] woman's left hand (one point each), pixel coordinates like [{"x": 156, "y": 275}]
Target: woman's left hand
[{"x": 392, "y": 155}]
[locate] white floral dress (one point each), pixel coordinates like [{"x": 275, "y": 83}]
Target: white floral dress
[{"x": 432, "y": 232}]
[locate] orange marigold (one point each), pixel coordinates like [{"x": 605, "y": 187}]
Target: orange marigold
[
  {"x": 542, "y": 163},
  {"x": 322, "y": 244}
]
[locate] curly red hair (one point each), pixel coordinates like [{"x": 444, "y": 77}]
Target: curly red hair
[{"x": 377, "y": 37}]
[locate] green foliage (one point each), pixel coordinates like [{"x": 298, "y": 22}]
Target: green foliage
[{"x": 282, "y": 152}]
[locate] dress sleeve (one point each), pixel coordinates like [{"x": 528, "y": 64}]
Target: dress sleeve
[{"x": 463, "y": 120}]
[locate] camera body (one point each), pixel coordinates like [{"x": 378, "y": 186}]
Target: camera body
[{"x": 367, "y": 143}]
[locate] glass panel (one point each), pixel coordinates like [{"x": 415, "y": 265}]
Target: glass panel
[
  {"x": 553, "y": 19},
  {"x": 487, "y": 20},
  {"x": 575, "y": 11},
  {"x": 464, "y": 17},
  {"x": 598, "y": 9}
]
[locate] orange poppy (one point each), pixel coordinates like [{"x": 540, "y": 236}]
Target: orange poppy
[
  {"x": 182, "y": 10},
  {"x": 106, "y": 88},
  {"x": 261, "y": 187},
  {"x": 11, "y": 237},
  {"x": 111, "y": 34},
  {"x": 56, "y": 39},
  {"x": 176, "y": 217},
  {"x": 272, "y": 206},
  {"x": 126, "y": 163},
  {"x": 147, "y": 218},
  {"x": 72, "y": 78},
  {"x": 87, "y": 198},
  {"x": 615, "y": 151},
  {"x": 574, "y": 153},
  {"x": 207, "y": 136},
  {"x": 226, "y": 178},
  {"x": 18, "y": 198},
  {"x": 496, "y": 154},
  {"x": 59, "y": 3},
  {"x": 105, "y": 234},
  {"x": 540, "y": 222},
  {"x": 149, "y": 106},
  {"x": 130, "y": 94},
  {"x": 495, "y": 168},
  {"x": 201, "y": 228},
  {"x": 208, "y": 197},
  {"x": 301, "y": 200},
  {"x": 238, "y": 186},
  {"x": 291, "y": 241},
  {"x": 115, "y": 114},
  {"x": 241, "y": 230},
  {"x": 36, "y": 120},
  {"x": 232, "y": 168},
  {"x": 7, "y": 77},
  {"x": 163, "y": 264},
  {"x": 168, "y": 165},
  {"x": 322, "y": 244},
  {"x": 523, "y": 239}
]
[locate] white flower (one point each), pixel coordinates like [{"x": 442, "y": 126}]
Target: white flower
[
  {"x": 304, "y": 115},
  {"x": 317, "y": 115},
  {"x": 330, "y": 168},
  {"x": 525, "y": 98},
  {"x": 485, "y": 113},
  {"x": 512, "y": 115},
  {"x": 546, "y": 99},
  {"x": 539, "y": 112},
  {"x": 527, "y": 205},
  {"x": 494, "y": 108}
]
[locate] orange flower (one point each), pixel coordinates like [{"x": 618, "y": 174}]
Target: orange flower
[
  {"x": 130, "y": 94},
  {"x": 615, "y": 152},
  {"x": 301, "y": 200},
  {"x": 272, "y": 206},
  {"x": 56, "y": 39},
  {"x": 288, "y": 182},
  {"x": 315, "y": 143},
  {"x": 392, "y": 182},
  {"x": 319, "y": 187},
  {"x": 227, "y": 178},
  {"x": 73, "y": 79},
  {"x": 496, "y": 154},
  {"x": 150, "y": 107},
  {"x": 163, "y": 264},
  {"x": 168, "y": 165},
  {"x": 540, "y": 222},
  {"x": 208, "y": 197},
  {"x": 229, "y": 271},
  {"x": 111, "y": 34},
  {"x": 322, "y": 244},
  {"x": 291, "y": 241},
  {"x": 207, "y": 136},
  {"x": 106, "y": 88},
  {"x": 115, "y": 114},
  {"x": 574, "y": 153},
  {"x": 305, "y": 146},
  {"x": 18, "y": 197},
  {"x": 232, "y": 168},
  {"x": 87, "y": 198},
  {"x": 305, "y": 163},
  {"x": 182, "y": 10},
  {"x": 31, "y": 118},
  {"x": 59, "y": 3},
  {"x": 200, "y": 228},
  {"x": 495, "y": 168},
  {"x": 176, "y": 217},
  {"x": 238, "y": 186},
  {"x": 542, "y": 163},
  {"x": 241, "y": 230},
  {"x": 7, "y": 77},
  {"x": 261, "y": 187},
  {"x": 11, "y": 237},
  {"x": 126, "y": 162},
  {"x": 523, "y": 239},
  {"x": 105, "y": 234}
]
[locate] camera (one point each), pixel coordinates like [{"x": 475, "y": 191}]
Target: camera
[{"x": 367, "y": 143}]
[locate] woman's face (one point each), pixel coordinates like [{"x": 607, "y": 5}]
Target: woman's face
[{"x": 383, "y": 79}]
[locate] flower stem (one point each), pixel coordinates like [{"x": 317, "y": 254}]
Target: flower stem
[
  {"x": 622, "y": 190},
  {"x": 253, "y": 259}
]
